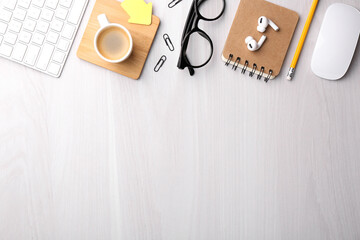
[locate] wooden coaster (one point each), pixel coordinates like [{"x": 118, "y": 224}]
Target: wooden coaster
[{"x": 143, "y": 37}]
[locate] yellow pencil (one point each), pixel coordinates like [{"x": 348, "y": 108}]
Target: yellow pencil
[{"x": 302, "y": 40}]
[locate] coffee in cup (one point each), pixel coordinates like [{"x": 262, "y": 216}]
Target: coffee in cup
[{"x": 113, "y": 42}]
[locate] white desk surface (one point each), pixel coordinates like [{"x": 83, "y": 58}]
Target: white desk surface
[{"x": 218, "y": 156}]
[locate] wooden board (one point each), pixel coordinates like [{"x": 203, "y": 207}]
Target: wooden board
[{"x": 142, "y": 35}]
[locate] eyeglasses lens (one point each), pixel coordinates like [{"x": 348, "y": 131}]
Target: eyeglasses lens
[
  {"x": 210, "y": 9},
  {"x": 198, "y": 50}
]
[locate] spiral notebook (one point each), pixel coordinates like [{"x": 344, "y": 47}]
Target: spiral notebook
[{"x": 268, "y": 60}]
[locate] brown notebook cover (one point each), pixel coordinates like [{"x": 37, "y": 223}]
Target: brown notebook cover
[{"x": 272, "y": 54}]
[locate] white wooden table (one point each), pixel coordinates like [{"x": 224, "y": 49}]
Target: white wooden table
[{"x": 218, "y": 156}]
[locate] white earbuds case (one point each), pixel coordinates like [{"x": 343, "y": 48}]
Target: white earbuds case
[{"x": 337, "y": 42}]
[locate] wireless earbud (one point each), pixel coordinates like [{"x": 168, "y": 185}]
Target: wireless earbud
[
  {"x": 253, "y": 45},
  {"x": 264, "y": 22}
]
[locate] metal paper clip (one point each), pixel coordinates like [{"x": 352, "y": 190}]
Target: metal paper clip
[
  {"x": 174, "y": 3},
  {"x": 160, "y": 63},
  {"x": 168, "y": 42}
]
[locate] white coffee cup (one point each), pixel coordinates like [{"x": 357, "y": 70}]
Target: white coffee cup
[{"x": 105, "y": 25}]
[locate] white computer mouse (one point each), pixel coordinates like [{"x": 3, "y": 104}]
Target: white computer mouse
[{"x": 337, "y": 42}]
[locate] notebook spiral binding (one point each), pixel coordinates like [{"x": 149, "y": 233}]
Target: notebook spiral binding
[{"x": 246, "y": 66}]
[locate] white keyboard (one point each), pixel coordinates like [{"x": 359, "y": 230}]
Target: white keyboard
[{"x": 39, "y": 33}]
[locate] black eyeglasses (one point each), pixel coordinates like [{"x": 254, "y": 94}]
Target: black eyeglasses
[{"x": 191, "y": 27}]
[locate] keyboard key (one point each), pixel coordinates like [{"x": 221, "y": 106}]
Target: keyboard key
[
  {"x": 38, "y": 3},
  {"x": 47, "y": 14},
  {"x": 34, "y": 13},
  {"x": 32, "y": 55},
  {"x": 5, "y": 15},
  {"x": 10, "y": 4},
  {"x": 38, "y": 38},
  {"x": 6, "y": 50},
  {"x": 15, "y": 26},
  {"x": 57, "y": 25},
  {"x": 24, "y": 3},
  {"x": 39, "y": 33},
  {"x": 75, "y": 14},
  {"x": 68, "y": 31},
  {"x": 3, "y": 28},
  {"x": 52, "y": 3},
  {"x": 63, "y": 45},
  {"x": 25, "y": 37},
  {"x": 54, "y": 68},
  {"x": 45, "y": 56},
  {"x": 53, "y": 37},
  {"x": 42, "y": 26},
  {"x": 29, "y": 25},
  {"x": 10, "y": 38},
  {"x": 19, "y": 14},
  {"x": 59, "y": 57},
  {"x": 61, "y": 13},
  {"x": 66, "y": 3},
  {"x": 19, "y": 52}
]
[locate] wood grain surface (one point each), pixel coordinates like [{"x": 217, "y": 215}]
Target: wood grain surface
[{"x": 218, "y": 156}]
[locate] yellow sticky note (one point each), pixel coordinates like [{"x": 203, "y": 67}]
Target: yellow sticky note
[{"x": 139, "y": 11}]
